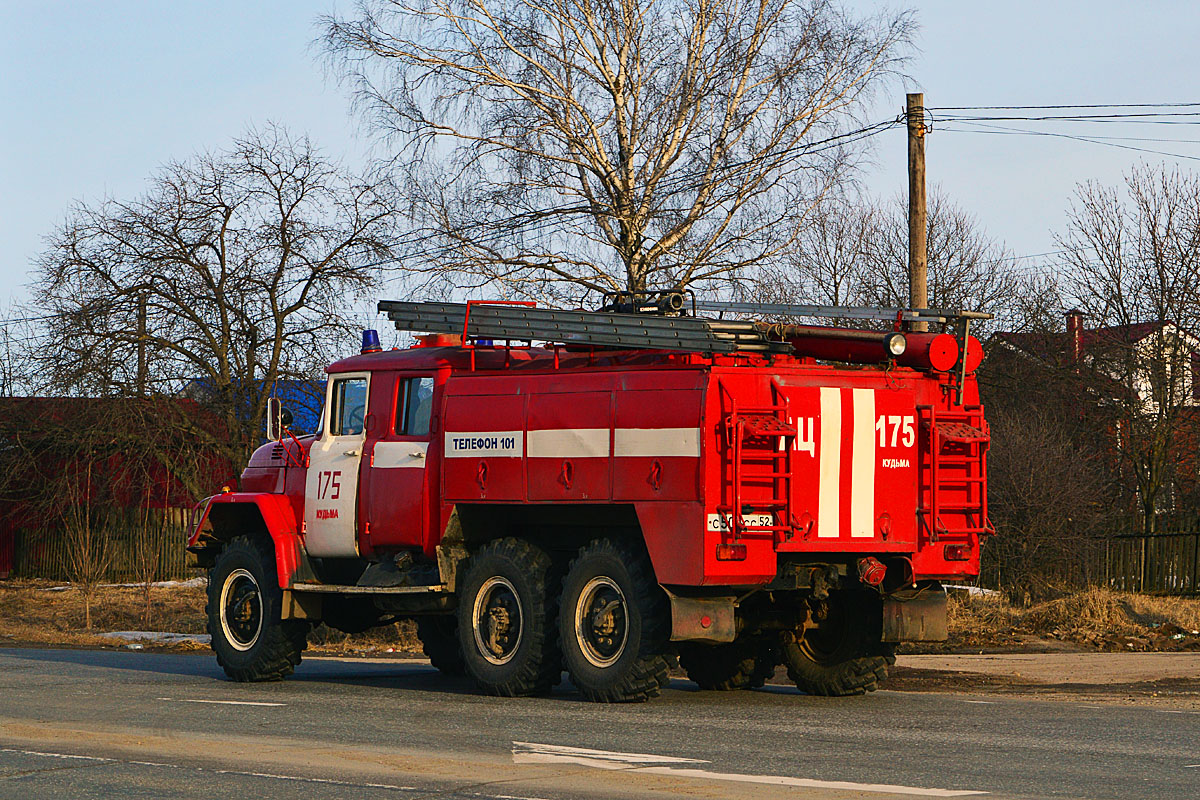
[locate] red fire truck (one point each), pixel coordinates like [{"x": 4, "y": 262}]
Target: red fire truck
[{"x": 646, "y": 484}]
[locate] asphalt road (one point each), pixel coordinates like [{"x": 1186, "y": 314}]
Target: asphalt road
[{"x": 102, "y": 724}]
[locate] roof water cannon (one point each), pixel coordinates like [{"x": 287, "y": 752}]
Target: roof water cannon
[{"x": 669, "y": 302}]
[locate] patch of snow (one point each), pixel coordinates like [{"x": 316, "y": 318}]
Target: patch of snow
[
  {"x": 191, "y": 583},
  {"x": 158, "y": 637},
  {"x": 973, "y": 591}
]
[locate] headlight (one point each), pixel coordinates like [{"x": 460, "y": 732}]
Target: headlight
[{"x": 895, "y": 344}]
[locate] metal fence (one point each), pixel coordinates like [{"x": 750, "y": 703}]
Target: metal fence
[{"x": 1165, "y": 563}]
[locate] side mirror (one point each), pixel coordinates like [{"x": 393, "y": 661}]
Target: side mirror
[{"x": 278, "y": 418}]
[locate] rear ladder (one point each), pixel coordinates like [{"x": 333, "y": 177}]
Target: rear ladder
[
  {"x": 761, "y": 442},
  {"x": 953, "y": 487}
]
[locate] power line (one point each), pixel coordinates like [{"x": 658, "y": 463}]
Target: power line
[
  {"x": 1016, "y": 131},
  {"x": 1066, "y": 107},
  {"x": 1139, "y": 119},
  {"x": 1032, "y": 256},
  {"x": 1001, "y": 130},
  {"x": 18, "y": 320}
]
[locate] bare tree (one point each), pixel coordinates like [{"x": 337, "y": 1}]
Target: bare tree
[
  {"x": 1050, "y": 482},
  {"x": 163, "y": 474},
  {"x": 232, "y": 272},
  {"x": 967, "y": 269},
  {"x": 87, "y": 534},
  {"x": 16, "y": 333},
  {"x": 556, "y": 145},
  {"x": 828, "y": 265},
  {"x": 853, "y": 251},
  {"x": 149, "y": 535},
  {"x": 1133, "y": 266}
]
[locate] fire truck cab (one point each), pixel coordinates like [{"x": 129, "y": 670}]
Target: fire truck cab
[{"x": 789, "y": 495}]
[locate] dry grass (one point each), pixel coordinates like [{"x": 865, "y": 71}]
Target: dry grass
[
  {"x": 396, "y": 639},
  {"x": 33, "y": 613},
  {"x": 1093, "y": 617}
]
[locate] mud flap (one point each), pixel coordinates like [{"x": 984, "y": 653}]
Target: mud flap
[
  {"x": 300, "y": 605},
  {"x": 702, "y": 619},
  {"x": 920, "y": 619}
]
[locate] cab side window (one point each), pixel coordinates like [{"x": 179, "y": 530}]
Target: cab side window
[
  {"x": 349, "y": 407},
  {"x": 414, "y": 406}
]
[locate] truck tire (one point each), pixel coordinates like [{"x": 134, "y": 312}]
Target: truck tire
[
  {"x": 842, "y": 657},
  {"x": 614, "y": 624},
  {"x": 506, "y": 612},
  {"x": 252, "y": 643},
  {"x": 725, "y": 667},
  {"x": 439, "y": 642}
]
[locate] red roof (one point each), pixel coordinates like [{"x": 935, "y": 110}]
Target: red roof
[{"x": 1048, "y": 344}]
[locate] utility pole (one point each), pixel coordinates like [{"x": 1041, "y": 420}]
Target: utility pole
[
  {"x": 141, "y": 345},
  {"x": 918, "y": 292}
]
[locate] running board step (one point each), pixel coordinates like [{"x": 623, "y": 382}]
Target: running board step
[{"x": 332, "y": 588}]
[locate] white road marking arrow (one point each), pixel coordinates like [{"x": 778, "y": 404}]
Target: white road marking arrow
[
  {"x": 221, "y": 702},
  {"x": 531, "y": 753}
]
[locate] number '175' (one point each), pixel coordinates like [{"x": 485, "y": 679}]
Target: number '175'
[
  {"x": 329, "y": 485},
  {"x": 903, "y": 431}
]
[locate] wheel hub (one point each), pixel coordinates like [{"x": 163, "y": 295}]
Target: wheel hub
[
  {"x": 498, "y": 621},
  {"x": 601, "y": 621},
  {"x": 241, "y": 609},
  {"x": 822, "y": 635}
]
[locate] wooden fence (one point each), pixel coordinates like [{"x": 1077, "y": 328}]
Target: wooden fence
[
  {"x": 44, "y": 553},
  {"x": 1165, "y": 563}
]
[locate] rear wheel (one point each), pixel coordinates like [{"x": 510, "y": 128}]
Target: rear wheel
[
  {"x": 439, "y": 641},
  {"x": 841, "y": 652},
  {"x": 614, "y": 624},
  {"x": 744, "y": 664},
  {"x": 252, "y": 643},
  {"x": 506, "y": 618}
]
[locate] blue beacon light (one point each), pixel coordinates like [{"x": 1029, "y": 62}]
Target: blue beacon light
[{"x": 370, "y": 342}]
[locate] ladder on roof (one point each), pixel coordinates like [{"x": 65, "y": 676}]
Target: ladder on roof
[
  {"x": 936, "y": 315},
  {"x": 653, "y": 321},
  {"x": 482, "y": 320}
]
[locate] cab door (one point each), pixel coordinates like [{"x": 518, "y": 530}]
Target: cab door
[
  {"x": 331, "y": 486},
  {"x": 396, "y": 484}
]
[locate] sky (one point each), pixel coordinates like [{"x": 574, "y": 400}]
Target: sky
[{"x": 96, "y": 95}]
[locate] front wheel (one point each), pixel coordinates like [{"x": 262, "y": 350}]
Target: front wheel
[
  {"x": 840, "y": 653},
  {"x": 250, "y": 639},
  {"x": 614, "y": 624}
]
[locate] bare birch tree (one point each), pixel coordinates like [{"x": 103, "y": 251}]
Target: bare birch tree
[
  {"x": 559, "y": 145},
  {"x": 232, "y": 272}
]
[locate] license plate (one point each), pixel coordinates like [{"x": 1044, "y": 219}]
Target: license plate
[{"x": 724, "y": 523}]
